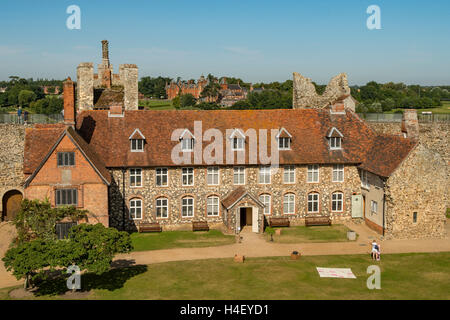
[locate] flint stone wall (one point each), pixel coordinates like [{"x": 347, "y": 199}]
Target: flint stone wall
[
  {"x": 434, "y": 136},
  {"x": 418, "y": 185},
  {"x": 200, "y": 191},
  {"x": 11, "y": 157}
]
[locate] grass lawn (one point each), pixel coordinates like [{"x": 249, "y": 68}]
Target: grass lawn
[
  {"x": 157, "y": 104},
  {"x": 334, "y": 233},
  {"x": 445, "y": 108},
  {"x": 179, "y": 239},
  {"x": 403, "y": 276}
]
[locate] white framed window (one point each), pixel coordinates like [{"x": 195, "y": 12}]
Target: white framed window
[
  {"x": 135, "y": 177},
  {"x": 289, "y": 174},
  {"x": 284, "y": 143},
  {"x": 313, "y": 173},
  {"x": 365, "y": 179},
  {"x": 187, "y": 176},
  {"x": 66, "y": 159},
  {"x": 337, "y": 202},
  {"x": 374, "y": 207},
  {"x": 289, "y": 203},
  {"x": 66, "y": 197},
  {"x": 338, "y": 173},
  {"x": 162, "y": 177},
  {"x": 264, "y": 175},
  {"x": 212, "y": 206},
  {"x": 136, "y": 209},
  {"x": 212, "y": 176},
  {"x": 187, "y": 207},
  {"x": 137, "y": 145},
  {"x": 237, "y": 140},
  {"x": 237, "y": 144},
  {"x": 162, "y": 208},
  {"x": 335, "y": 143},
  {"x": 239, "y": 175},
  {"x": 266, "y": 201},
  {"x": 313, "y": 203},
  {"x": 187, "y": 144}
]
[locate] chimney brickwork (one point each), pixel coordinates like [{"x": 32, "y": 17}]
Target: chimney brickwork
[{"x": 70, "y": 112}]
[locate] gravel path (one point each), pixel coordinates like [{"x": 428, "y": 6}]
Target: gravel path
[{"x": 7, "y": 233}]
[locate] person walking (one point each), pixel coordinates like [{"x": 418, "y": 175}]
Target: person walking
[
  {"x": 19, "y": 115},
  {"x": 25, "y": 117}
]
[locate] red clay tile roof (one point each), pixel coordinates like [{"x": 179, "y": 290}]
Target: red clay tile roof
[
  {"x": 38, "y": 142},
  {"x": 308, "y": 127},
  {"x": 41, "y": 139},
  {"x": 107, "y": 138},
  {"x": 386, "y": 153},
  {"x": 90, "y": 154},
  {"x": 234, "y": 196}
]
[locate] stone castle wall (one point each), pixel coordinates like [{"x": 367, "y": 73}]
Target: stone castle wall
[
  {"x": 422, "y": 173},
  {"x": 11, "y": 158},
  {"x": 85, "y": 86},
  {"x": 434, "y": 136}
]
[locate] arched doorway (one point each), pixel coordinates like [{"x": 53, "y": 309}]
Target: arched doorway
[{"x": 11, "y": 204}]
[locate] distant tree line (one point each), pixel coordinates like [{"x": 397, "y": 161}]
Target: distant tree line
[
  {"x": 154, "y": 87},
  {"x": 376, "y": 97},
  {"x": 29, "y": 94}
]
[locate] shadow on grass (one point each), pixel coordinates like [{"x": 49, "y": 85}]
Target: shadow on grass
[{"x": 111, "y": 280}]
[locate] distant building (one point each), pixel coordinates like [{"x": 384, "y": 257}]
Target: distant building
[
  {"x": 174, "y": 89},
  {"x": 51, "y": 89},
  {"x": 231, "y": 93}
]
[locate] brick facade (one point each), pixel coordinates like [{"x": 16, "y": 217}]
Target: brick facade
[{"x": 92, "y": 191}]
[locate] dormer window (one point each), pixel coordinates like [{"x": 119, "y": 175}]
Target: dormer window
[
  {"x": 335, "y": 143},
  {"x": 284, "y": 143},
  {"x": 137, "y": 145},
  {"x": 284, "y": 139},
  {"x": 137, "y": 141},
  {"x": 187, "y": 145},
  {"x": 237, "y": 144},
  {"x": 187, "y": 141},
  {"x": 237, "y": 140},
  {"x": 335, "y": 139}
]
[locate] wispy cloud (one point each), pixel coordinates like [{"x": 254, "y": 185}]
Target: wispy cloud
[
  {"x": 243, "y": 51},
  {"x": 9, "y": 51},
  {"x": 82, "y": 47}
]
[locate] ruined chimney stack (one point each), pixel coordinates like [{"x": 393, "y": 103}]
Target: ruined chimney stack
[
  {"x": 105, "y": 52},
  {"x": 410, "y": 124},
  {"x": 70, "y": 112}
]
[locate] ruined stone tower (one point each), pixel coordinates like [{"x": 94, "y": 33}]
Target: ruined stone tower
[
  {"x": 105, "y": 89},
  {"x": 337, "y": 91}
]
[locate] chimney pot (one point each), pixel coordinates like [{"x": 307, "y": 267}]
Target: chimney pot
[{"x": 70, "y": 112}]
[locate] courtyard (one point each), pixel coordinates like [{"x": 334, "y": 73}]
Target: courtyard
[{"x": 403, "y": 276}]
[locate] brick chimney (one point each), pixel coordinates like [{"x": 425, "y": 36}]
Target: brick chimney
[
  {"x": 339, "y": 105},
  {"x": 70, "y": 112},
  {"x": 410, "y": 124}
]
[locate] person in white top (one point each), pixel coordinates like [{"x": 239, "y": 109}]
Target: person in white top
[{"x": 375, "y": 250}]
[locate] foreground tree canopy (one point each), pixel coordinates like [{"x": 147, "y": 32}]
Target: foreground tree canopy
[
  {"x": 90, "y": 247},
  {"x": 36, "y": 251}
]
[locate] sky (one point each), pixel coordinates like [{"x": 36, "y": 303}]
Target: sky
[{"x": 258, "y": 41}]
